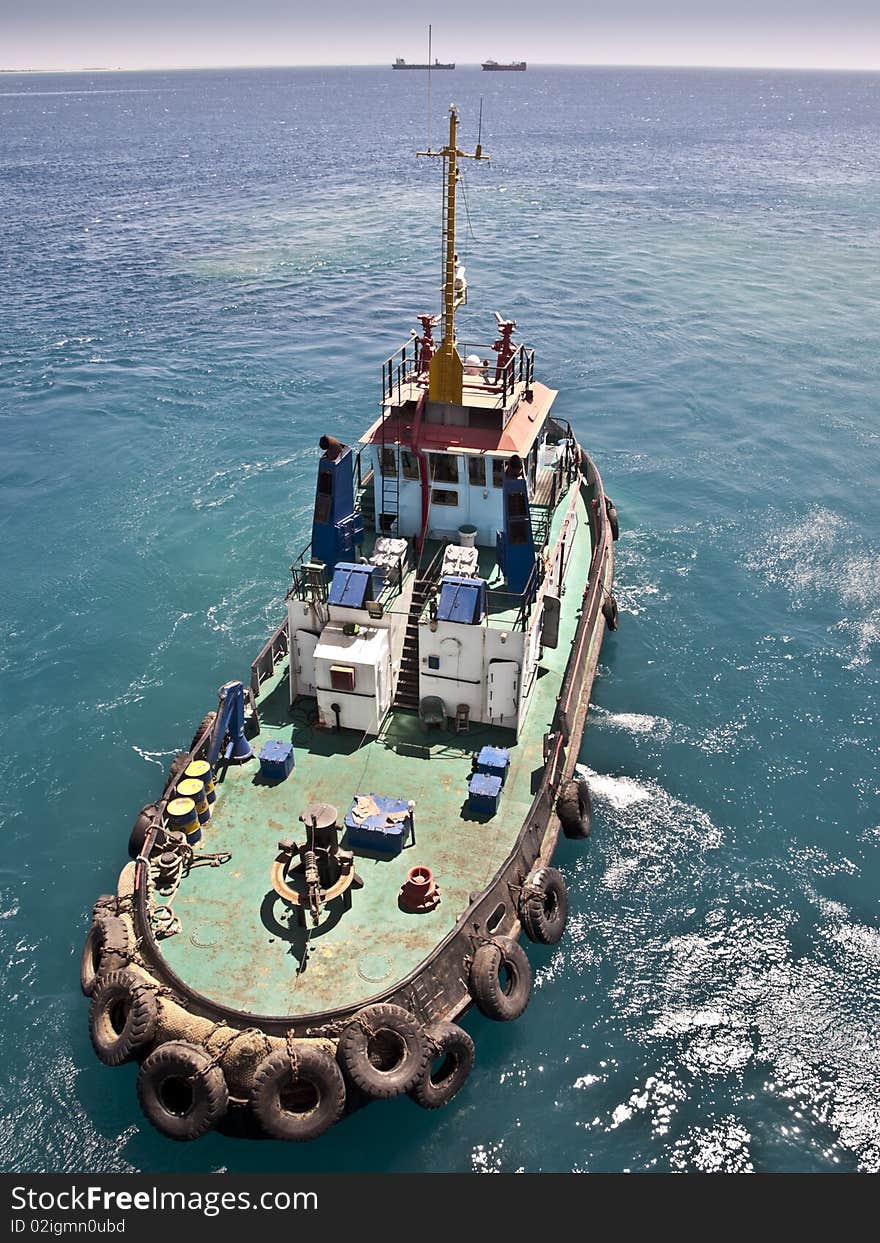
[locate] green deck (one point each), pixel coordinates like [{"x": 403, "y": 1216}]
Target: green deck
[{"x": 242, "y": 946}]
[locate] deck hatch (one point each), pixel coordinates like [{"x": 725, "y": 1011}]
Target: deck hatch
[
  {"x": 353, "y": 584},
  {"x": 461, "y": 599}
]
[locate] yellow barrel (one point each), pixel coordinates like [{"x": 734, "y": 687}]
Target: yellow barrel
[
  {"x": 192, "y": 788},
  {"x": 200, "y": 770},
  {"x": 183, "y": 815}
]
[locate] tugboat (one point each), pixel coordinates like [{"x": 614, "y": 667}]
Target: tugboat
[{"x": 311, "y": 907}]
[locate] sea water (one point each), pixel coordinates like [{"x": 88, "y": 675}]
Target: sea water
[{"x": 202, "y": 273}]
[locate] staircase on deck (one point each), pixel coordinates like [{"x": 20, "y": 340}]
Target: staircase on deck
[
  {"x": 407, "y": 692},
  {"x": 543, "y": 502}
]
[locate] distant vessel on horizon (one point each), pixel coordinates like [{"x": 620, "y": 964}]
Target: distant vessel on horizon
[
  {"x": 400, "y": 63},
  {"x": 516, "y": 66}
]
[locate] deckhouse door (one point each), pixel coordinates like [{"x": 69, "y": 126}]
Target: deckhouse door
[
  {"x": 305, "y": 643},
  {"x": 503, "y": 688}
]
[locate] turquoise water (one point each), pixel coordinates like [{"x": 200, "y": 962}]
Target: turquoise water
[{"x": 201, "y": 273}]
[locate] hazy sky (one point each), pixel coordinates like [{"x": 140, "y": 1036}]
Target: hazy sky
[{"x": 67, "y": 34}]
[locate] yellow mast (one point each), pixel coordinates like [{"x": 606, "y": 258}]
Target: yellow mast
[{"x": 445, "y": 376}]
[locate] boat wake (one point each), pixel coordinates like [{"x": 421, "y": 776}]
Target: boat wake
[{"x": 733, "y": 990}]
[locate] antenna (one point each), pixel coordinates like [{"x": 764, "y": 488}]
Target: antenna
[{"x": 445, "y": 382}]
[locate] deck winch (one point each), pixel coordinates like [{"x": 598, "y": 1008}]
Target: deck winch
[{"x": 312, "y": 874}]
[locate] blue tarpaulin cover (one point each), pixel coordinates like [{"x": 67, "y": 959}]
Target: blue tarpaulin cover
[{"x": 375, "y": 822}]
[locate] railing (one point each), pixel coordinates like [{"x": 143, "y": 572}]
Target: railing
[
  {"x": 264, "y": 666},
  {"x": 431, "y": 576},
  {"x": 522, "y": 601},
  {"x": 402, "y": 368}
]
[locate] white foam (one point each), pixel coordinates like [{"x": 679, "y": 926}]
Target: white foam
[
  {"x": 630, "y": 722},
  {"x": 824, "y": 556},
  {"x": 719, "y": 1149},
  {"x": 153, "y": 757},
  {"x": 619, "y": 792}
]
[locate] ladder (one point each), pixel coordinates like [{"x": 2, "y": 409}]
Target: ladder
[{"x": 407, "y": 692}]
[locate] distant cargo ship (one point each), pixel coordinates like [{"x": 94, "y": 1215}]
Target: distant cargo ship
[
  {"x": 400, "y": 63},
  {"x": 516, "y": 66}
]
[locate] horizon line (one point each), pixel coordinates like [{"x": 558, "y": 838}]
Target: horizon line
[{"x": 462, "y": 65}]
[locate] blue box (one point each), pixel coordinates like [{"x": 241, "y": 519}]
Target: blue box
[
  {"x": 276, "y": 760},
  {"x": 484, "y": 794},
  {"x": 377, "y": 832},
  {"x": 494, "y": 761}
]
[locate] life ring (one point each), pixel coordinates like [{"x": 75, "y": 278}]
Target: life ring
[
  {"x": 383, "y": 1050},
  {"x": 611, "y": 511},
  {"x": 122, "y": 1018},
  {"x": 610, "y": 612},
  {"x": 574, "y": 807},
  {"x": 298, "y": 1094},
  {"x": 181, "y": 1090},
  {"x": 147, "y": 817},
  {"x": 207, "y": 721},
  {"x": 437, "y": 1086},
  {"x": 543, "y": 906},
  {"x": 501, "y": 979},
  {"x": 106, "y": 945}
]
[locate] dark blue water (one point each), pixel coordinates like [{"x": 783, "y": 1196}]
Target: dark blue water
[{"x": 201, "y": 273}]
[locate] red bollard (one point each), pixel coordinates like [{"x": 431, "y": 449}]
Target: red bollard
[{"x": 419, "y": 892}]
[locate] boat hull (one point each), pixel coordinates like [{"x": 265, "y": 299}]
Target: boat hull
[{"x": 439, "y": 988}]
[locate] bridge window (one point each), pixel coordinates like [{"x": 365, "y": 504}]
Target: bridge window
[
  {"x": 498, "y": 472},
  {"x": 440, "y": 496},
  {"x": 409, "y": 464},
  {"x": 477, "y": 472},
  {"x": 444, "y": 468},
  {"x": 388, "y": 461}
]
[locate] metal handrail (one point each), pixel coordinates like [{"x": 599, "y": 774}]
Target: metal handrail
[
  {"x": 264, "y": 666},
  {"x": 402, "y": 368}
]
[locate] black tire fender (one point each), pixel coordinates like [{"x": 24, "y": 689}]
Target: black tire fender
[
  {"x": 498, "y": 997},
  {"x": 122, "y": 1018},
  {"x": 574, "y": 807},
  {"x": 436, "y": 1087},
  {"x": 106, "y": 946},
  {"x": 543, "y": 906},
  {"x": 613, "y": 522},
  {"x": 383, "y": 1050},
  {"x": 207, "y": 721},
  {"x": 610, "y": 612},
  {"x": 178, "y": 764},
  {"x": 298, "y": 1093},
  {"x": 147, "y": 816},
  {"x": 181, "y": 1090},
  {"x": 107, "y": 902}
]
